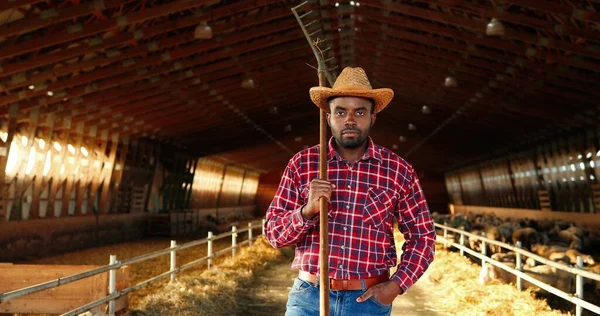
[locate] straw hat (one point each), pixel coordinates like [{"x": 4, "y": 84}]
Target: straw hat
[{"x": 352, "y": 82}]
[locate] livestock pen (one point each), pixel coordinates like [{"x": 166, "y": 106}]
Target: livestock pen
[
  {"x": 575, "y": 298},
  {"x": 213, "y": 250}
]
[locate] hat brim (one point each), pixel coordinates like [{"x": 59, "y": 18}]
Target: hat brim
[{"x": 381, "y": 97}]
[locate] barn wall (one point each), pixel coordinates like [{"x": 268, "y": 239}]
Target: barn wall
[
  {"x": 435, "y": 193},
  {"x": 584, "y": 220},
  {"x": 26, "y": 239},
  {"x": 559, "y": 176},
  {"x": 223, "y": 187},
  {"x": 266, "y": 190}
]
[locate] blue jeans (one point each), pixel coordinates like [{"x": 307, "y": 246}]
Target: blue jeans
[{"x": 303, "y": 300}]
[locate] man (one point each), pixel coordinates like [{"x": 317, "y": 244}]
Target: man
[{"x": 368, "y": 188}]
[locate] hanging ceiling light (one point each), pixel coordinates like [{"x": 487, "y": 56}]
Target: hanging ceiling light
[
  {"x": 395, "y": 147},
  {"x": 425, "y": 109},
  {"x": 494, "y": 28},
  {"x": 248, "y": 83},
  {"x": 402, "y": 139},
  {"x": 450, "y": 82},
  {"x": 411, "y": 127},
  {"x": 203, "y": 31}
]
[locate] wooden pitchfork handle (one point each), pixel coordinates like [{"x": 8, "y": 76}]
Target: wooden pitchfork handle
[{"x": 323, "y": 228}]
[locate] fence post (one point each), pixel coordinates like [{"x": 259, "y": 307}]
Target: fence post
[
  {"x": 210, "y": 254},
  {"x": 173, "y": 261},
  {"x": 263, "y": 226},
  {"x": 519, "y": 266},
  {"x": 483, "y": 248},
  {"x": 462, "y": 241},
  {"x": 579, "y": 286},
  {"x": 250, "y": 234},
  {"x": 112, "y": 284},
  {"x": 233, "y": 240},
  {"x": 446, "y": 234}
]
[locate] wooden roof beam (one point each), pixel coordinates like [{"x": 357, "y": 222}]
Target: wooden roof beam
[
  {"x": 101, "y": 27},
  {"x": 521, "y": 19},
  {"x": 119, "y": 78},
  {"x": 122, "y": 39},
  {"x": 60, "y": 15},
  {"x": 558, "y": 8},
  {"x": 154, "y": 60},
  {"x": 151, "y": 87},
  {"x": 520, "y": 51},
  {"x": 480, "y": 27},
  {"x": 212, "y": 107},
  {"x": 15, "y": 4},
  {"x": 166, "y": 84},
  {"x": 515, "y": 80}
]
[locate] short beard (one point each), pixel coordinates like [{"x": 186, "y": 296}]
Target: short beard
[{"x": 351, "y": 143}]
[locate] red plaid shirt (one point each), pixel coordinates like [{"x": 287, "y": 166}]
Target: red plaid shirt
[{"x": 369, "y": 195}]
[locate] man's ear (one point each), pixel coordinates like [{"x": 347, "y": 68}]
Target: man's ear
[
  {"x": 373, "y": 118},
  {"x": 328, "y": 115}
]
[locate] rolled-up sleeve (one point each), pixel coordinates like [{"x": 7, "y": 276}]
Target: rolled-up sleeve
[
  {"x": 416, "y": 224},
  {"x": 284, "y": 223}
]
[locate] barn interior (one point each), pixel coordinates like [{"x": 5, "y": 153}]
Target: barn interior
[
  {"x": 121, "y": 119},
  {"x": 128, "y": 120}
]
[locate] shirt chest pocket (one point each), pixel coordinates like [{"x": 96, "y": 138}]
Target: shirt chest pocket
[{"x": 379, "y": 209}]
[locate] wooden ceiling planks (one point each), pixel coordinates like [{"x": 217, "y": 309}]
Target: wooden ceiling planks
[{"x": 120, "y": 67}]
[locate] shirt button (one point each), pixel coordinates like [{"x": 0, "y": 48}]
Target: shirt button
[
  {"x": 345, "y": 228},
  {"x": 348, "y": 206},
  {"x": 343, "y": 247},
  {"x": 341, "y": 266},
  {"x": 349, "y": 187}
]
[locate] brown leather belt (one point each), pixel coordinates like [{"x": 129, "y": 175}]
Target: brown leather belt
[{"x": 343, "y": 284}]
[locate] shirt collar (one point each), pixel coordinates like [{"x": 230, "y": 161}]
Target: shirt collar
[{"x": 371, "y": 152}]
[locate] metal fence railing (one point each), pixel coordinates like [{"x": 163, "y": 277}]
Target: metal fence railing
[
  {"x": 575, "y": 298},
  {"x": 113, "y": 265}
]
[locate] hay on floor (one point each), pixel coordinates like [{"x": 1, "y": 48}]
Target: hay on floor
[
  {"x": 459, "y": 292},
  {"x": 212, "y": 292}
]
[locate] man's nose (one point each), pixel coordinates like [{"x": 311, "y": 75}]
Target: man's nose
[{"x": 350, "y": 120}]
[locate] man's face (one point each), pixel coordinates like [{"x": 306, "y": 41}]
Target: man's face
[{"x": 350, "y": 119}]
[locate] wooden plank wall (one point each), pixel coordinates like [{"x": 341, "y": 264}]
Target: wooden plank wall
[
  {"x": 561, "y": 176},
  {"x": 591, "y": 220},
  {"x": 221, "y": 185}
]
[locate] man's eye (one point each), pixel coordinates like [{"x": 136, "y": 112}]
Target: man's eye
[
  {"x": 339, "y": 113},
  {"x": 360, "y": 113}
]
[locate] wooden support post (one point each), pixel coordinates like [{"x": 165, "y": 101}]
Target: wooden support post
[
  {"x": 43, "y": 179},
  {"x": 57, "y": 173},
  {"x": 191, "y": 175},
  {"x": 108, "y": 168},
  {"x": 117, "y": 174},
  {"x": 242, "y": 188},
  {"x": 220, "y": 192},
  {"x": 29, "y": 183},
  {"x": 11, "y": 126},
  {"x": 96, "y": 174}
]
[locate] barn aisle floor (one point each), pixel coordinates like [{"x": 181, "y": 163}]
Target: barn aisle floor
[{"x": 271, "y": 286}]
